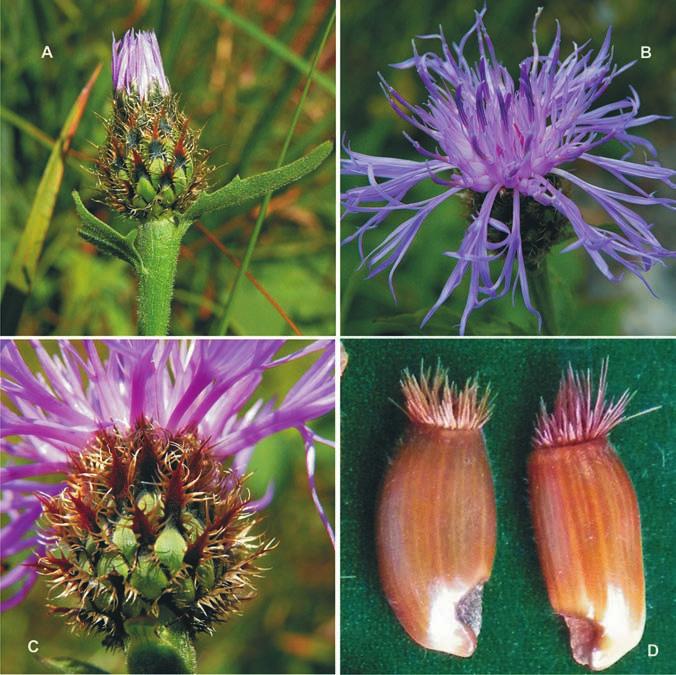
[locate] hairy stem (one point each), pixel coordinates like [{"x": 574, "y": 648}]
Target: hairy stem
[
  {"x": 541, "y": 294},
  {"x": 158, "y": 244},
  {"x": 156, "y": 648}
]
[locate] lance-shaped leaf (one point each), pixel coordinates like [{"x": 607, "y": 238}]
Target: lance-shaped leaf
[
  {"x": 25, "y": 260},
  {"x": 105, "y": 238},
  {"x": 239, "y": 190}
]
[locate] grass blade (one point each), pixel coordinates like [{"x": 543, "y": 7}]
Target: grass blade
[
  {"x": 73, "y": 157},
  {"x": 22, "y": 269},
  {"x": 259, "y": 287},
  {"x": 269, "y": 42},
  {"x": 25, "y": 126}
]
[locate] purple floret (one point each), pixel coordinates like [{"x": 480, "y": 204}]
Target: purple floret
[
  {"x": 201, "y": 385},
  {"x": 500, "y": 138},
  {"x": 137, "y": 64}
]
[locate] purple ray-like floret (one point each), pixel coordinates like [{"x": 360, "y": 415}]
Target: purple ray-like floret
[
  {"x": 206, "y": 386},
  {"x": 137, "y": 64},
  {"x": 491, "y": 134}
]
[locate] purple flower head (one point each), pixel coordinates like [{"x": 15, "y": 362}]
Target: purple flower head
[
  {"x": 200, "y": 387},
  {"x": 137, "y": 65},
  {"x": 508, "y": 142}
]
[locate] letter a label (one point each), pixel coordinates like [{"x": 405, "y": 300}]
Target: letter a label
[{"x": 47, "y": 52}]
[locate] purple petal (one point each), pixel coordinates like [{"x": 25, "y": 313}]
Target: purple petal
[
  {"x": 29, "y": 578},
  {"x": 137, "y": 64},
  {"x": 310, "y": 455}
]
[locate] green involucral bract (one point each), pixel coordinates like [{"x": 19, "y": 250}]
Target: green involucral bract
[{"x": 150, "y": 164}]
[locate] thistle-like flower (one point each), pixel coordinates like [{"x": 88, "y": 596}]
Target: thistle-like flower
[
  {"x": 507, "y": 143},
  {"x": 146, "y": 523},
  {"x": 150, "y": 163},
  {"x": 151, "y": 170}
]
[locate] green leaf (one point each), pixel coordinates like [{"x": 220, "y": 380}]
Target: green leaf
[
  {"x": 25, "y": 259},
  {"x": 105, "y": 238},
  {"x": 239, "y": 190},
  {"x": 64, "y": 664}
]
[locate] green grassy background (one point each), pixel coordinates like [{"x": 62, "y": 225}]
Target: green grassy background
[
  {"x": 288, "y": 628},
  {"x": 586, "y": 302},
  {"x": 520, "y": 633},
  {"x": 232, "y": 86}
]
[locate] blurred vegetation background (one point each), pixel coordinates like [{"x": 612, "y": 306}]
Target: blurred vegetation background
[
  {"x": 289, "y": 627},
  {"x": 586, "y": 302},
  {"x": 237, "y": 85}
]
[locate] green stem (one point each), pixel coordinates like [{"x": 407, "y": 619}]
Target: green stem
[
  {"x": 540, "y": 291},
  {"x": 225, "y": 320},
  {"x": 156, "y": 648},
  {"x": 158, "y": 244}
]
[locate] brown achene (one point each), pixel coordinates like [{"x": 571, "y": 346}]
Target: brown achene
[{"x": 436, "y": 521}]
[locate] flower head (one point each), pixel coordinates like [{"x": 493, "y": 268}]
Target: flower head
[
  {"x": 149, "y": 522},
  {"x": 137, "y": 65},
  {"x": 150, "y": 165},
  {"x": 144, "y": 518},
  {"x": 507, "y": 142}
]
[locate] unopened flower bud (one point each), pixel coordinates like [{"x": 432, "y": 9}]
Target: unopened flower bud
[{"x": 150, "y": 164}]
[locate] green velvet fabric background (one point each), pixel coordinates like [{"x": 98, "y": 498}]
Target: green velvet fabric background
[{"x": 520, "y": 633}]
